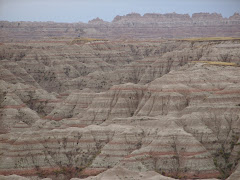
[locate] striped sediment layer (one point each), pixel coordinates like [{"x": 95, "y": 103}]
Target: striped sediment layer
[
  {"x": 22, "y": 105},
  {"x": 170, "y": 145},
  {"x": 32, "y": 152},
  {"x": 180, "y": 92},
  {"x": 97, "y": 148},
  {"x": 60, "y": 67},
  {"x": 76, "y": 103},
  {"x": 157, "y": 112},
  {"x": 148, "y": 26}
]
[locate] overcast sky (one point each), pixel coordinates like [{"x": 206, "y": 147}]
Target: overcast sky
[{"x": 85, "y": 10}]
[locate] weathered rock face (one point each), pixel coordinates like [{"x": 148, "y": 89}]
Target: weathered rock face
[
  {"x": 76, "y": 103},
  {"x": 203, "y": 16},
  {"x": 150, "y": 26},
  {"x": 60, "y": 67},
  {"x": 23, "y": 105},
  {"x": 37, "y": 149},
  {"x": 145, "y": 109},
  {"x": 236, "y": 16}
]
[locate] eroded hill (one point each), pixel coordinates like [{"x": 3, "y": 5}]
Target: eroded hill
[{"x": 146, "y": 109}]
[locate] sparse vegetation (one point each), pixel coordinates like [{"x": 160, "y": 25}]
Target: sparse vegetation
[
  {"x": 227, "y": 139},
  {"x": 67, "y": 157},
  {"x": 216, "y": 63}
]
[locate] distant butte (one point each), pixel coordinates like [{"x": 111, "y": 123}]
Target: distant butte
[
  {"x": 133, "y": 25},
  {"x": 96, "y": 20}
]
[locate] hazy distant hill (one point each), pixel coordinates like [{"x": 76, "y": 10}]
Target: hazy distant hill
[{"x": 149, "y": 26}]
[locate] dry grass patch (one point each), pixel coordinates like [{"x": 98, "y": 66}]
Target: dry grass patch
[
  {"x": 219, "y": 63},
  {"x": 85, "y": 40}
]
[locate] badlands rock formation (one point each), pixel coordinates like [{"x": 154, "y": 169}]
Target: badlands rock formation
[
  {"x": 166, "y": 109},
  {"x": 122, "y": 173},
  {"x": 133, "y": 26}
]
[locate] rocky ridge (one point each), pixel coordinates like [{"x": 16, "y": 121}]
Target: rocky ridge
[{"x": 130, "y": 26}]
